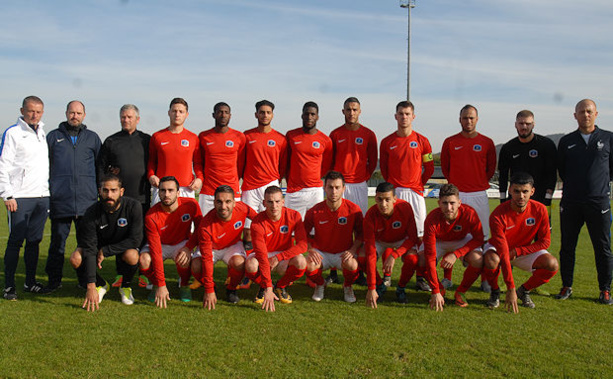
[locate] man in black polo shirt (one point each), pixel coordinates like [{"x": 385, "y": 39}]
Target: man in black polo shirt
[
  {"x": 112, "y": 226},
  {"x": 585, "y": 163}
]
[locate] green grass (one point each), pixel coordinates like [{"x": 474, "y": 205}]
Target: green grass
[{"x": 51, "y": 336}]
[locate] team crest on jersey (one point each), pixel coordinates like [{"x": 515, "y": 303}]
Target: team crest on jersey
[
  {"x": 284, "y": 229},
  {"x": 184, "y": 142},
  {"x": 342, "y": 220},
  {"x": 122, "y": 222},
  {"x": 186, "y": 217},
  {"x": 533, "y": 153},
  {"x": 229, "y": 144},
  {"x": 413, "y": 145},
  {"x": 530, "y": 221},
  {"x": 238, "y": 225},
  {"x": 271, "y": 143},
  {"x": 316, "y": 145},
  {"x": 477, "y": 148},
  {"x": 599, "y": 145},
  {"x": 396, "y": 225},
  {"x": 457, "y": 228},
  {"x": 359, "y": 140}
]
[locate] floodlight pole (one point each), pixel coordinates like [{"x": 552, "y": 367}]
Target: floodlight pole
[{"x": 408, "y": 4}]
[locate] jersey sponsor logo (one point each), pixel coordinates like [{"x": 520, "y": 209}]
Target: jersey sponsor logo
[
  {"x": 238, "y": 225},
  {"x": 103, "y": 226},
  {"x": 271, "y": 143},
  {"x": 413, "y": 145},
  {"x": 477, "y": 147},
  {"x": 457, "y": 228},
  {"x": 359, "y": 141},
  {"x": 396, "y": 225},
  {"x": 458, "y": 147},
  {"x": 122, "y": 222},
  {"x": 571, "y": 146},
  {"x": 221, "y": 236},
  {"x": 186, "y": 217},
  {"x": 164, "y": 143},
  {"x": 530, "y": 221},
  {"x": 599, "y": 145},
  {"x": 229, "y": 144},
  {"x": 184, "y": 143},
  {"x": 316, "y": 145},
  {"x": 515, "y": 156},
  {"x": 393, "y": 147},
  {"x": 342, "y": 220},
  {"x": 342, "y": 140},
  {"x": 533, "y": 153},
  {"x": 284, "y": 229}
]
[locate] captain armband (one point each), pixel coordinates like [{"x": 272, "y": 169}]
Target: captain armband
[{"x": 427, "y": 158}]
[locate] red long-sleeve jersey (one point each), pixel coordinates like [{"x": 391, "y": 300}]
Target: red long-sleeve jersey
[
  {"x": 216, "y": 234},
  {"x": 270, "y": 236},
  {"x": 223, "y": 159},
  {"x": 437, "y": 228},
  {"x": 163, "y": 228},
  {"x": 310, "y": 158},
  {"x": 355, "y": 153},
  {"x": 469, "y": 163},
  {"x": 406, "y": 161},
  {"x": 175, "y": 154},
  {"x": 265, "y": 158},
  {"x": 513, "y": 230},
  {"x": 335, "y": 231},
  {"x": 400, "y": 225}
]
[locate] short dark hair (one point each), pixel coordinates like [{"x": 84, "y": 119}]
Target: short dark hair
[
  {"x": 261, "y": 103},
  {"x": 405, "y": 104},
  {"x": 522, "y": 178},
  {"x": 109, "y": 178},
  {"x": 467, "y": 107},
  {"x": 385, "y": 187},
  {"x": 223, "y": 189},
  {"x": 333, "y": 175},
  {"x": 524, "y": 113},
  {"x": 32, "y": 99},
  {"x": 448, "y": 190},
  {"x": 178, "y": 100},
  {"x": 310, "y": 104},
  {"x": 351, "y": 100},
  {"x": 219, "y": 105},
  {"x": 272, "y": 190},
  {"x": 170, "y": 179}
]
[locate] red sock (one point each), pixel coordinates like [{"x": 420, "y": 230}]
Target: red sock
[
  {"x": 292, "y": 274},
  {"x": 447, "y": 273},
  {"x": 389, "y": 251},
  {"x": 149, "y": 275},
  {"x": 420, "y": 271},
  {"x": 408, "y": 268},
  {"x": 255, "y": 277},
  {"x": 316, "y": 276},
  {"x": 379, "y": 279},
  {"x": 470, "y": 275},
  {"x": 362, "y": 263},
  {"x": 539, "y": 277},
  {"x": 185, "y": 273},
  {"x": 491, "y": 275},
  {"x": 350, "y": 276},
  {"x": 235, "y": 277}
]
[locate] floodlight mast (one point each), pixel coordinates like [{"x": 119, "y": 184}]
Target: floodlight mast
[{"x": 408, "y": 4}]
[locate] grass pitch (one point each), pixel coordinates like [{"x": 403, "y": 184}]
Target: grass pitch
[{"x": 51, "y": 336}]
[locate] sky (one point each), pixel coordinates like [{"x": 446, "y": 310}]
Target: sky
[{"x": 500, "y": 56}]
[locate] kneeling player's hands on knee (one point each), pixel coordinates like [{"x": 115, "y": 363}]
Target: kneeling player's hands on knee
[
  {"x": 183, "y": 256},
  {"x": 314, "y": 257},
  {"x": 273, "y": 262},
  {"x": 448, "y": 260},
  {"x": 388, "y": 265}
]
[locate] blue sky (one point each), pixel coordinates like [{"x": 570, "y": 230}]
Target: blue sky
[{"x": 501, "y": 56}]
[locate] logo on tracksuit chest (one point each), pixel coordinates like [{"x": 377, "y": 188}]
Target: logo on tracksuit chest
[
  {"x": 184, "y": 143},
  {"x": 342, "y": 220},
  {"x": 229, "y": 144},
  {"x": 477, "y": 147},
  {"x": 186, "y": 217},
  {"x": 316, "y": 145},
  {"x": 533, "y": 153},
  {"x": 238, "y": 225},
  {"x": 457, "y": 228},
  {"x": 122, "y": 222},
  {"x": 530, "y": 221},
  {"x": 359, "y": 141},
  {"x": 284, "y": 229},
  {"x": 396, "y": 225},
  {"x": 413, "y": 145},
  {"x": 271, "y": 143}
]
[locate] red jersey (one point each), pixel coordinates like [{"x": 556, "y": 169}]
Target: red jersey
[
  {"x": 265, "y": 158},
  {"x": 355, "y": 153},
  {"x": 170, "y": 229},
  {"x": 402, "y": 159},
  {"x": 335, "y": 231},
  {"x": 216, "y": 234},
  {"x": 310, "y": 158},
  {"x": 270, "y": 236},
  {"x": 223, "y": 158},
  {"x": 469, "y": 163},
  {"x": 437, "y": 228},
  {"x": 513, "y": 230},
  {"x": 399, "y": 226},
  {"x": 175, "y": 154}
]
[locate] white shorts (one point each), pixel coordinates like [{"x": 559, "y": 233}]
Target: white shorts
[
  {"x": 524, "y": 262},
  {"x": 168, "y": 251},
  {"x": 329, "y": 260},
  {"x": 225, "y": 254},
  {"x": 255, "y": 199},
  {"x": 183, "y": 192},
  {"x": 382, "y": 246},
  {"x": 207, "y": 203},
  {"x": 418, "y": 203},
  {"x": 480, "y": 203},
  {"x": 357, "y": 193},
  {"x": 444, "y": 247},
  {"x": 281, "y": 267},
  {"x": 305, "y": 199}
]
